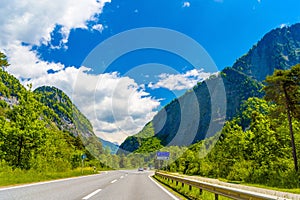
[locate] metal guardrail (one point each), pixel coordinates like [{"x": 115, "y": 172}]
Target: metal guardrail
[{"x": 218, "y": 189}]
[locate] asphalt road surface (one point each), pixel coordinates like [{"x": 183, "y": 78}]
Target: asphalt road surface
[{"x": 115, "y": 185}]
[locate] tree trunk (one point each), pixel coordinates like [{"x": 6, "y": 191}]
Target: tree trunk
[
  {"x": 20, "y": 151},
  {"x": 291, "y": 129}
]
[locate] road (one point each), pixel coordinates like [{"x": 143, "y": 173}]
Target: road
[{"x": 115, "y": 185}]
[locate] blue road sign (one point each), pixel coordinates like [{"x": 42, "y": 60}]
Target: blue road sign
[
  {"x": 163, "y": 155},
  {"x": 83, "y": 156}
]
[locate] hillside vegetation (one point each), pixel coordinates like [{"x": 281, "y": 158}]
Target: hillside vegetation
[
  {"x": 260, "y": 141},
  {"x": 278, "y": 49},
  {"x": 33, "y": 132}
]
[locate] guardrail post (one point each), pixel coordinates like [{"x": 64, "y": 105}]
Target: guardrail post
[
  {"x": 212, "y": 188},
  {"x": 216, "y": 196}
]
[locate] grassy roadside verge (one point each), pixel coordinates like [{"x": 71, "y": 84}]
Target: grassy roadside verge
[
  {"x": 185, "y": 193},
  {"x": 17, "y": 176},
  {"x": 293, "y": 190}
]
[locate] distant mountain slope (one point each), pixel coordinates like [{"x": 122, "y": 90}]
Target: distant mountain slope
[
  {"x": 187, "y": 119},
  {"x": 113, "y": 148},
  {"x": 69, "y": 117},
  {"x": 29, "y": 136},
  {"x": 278, "y": 49}
]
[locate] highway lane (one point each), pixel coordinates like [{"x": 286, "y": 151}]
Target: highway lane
[{"x": 129, "y": 184}]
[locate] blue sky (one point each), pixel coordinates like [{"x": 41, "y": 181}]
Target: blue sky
[
  {"x": 226, "y": 29},
  {"x": 48, "y": 43}
]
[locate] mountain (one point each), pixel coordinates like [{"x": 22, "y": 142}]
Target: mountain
[
  {"x": 69, "y": 118},
  {"x": 191, "y": 117},
  {"x": 278, "y": 49},
  {"x": 30, "y": 135},
  {"x": 113, "y": 148}
]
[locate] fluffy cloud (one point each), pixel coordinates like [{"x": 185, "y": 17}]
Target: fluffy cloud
[
  {"x": 116, "y": 106},
  {"x": 180, "y": 81},
  {"x": 25, "y": 64},
  {"x": 32, "y": 21},
  {"x": 186, "y": 4},
  {"x": 98, "y": 27}
]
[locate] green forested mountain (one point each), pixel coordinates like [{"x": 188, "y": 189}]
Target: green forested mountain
[
  {"x": 107, "y": 145},
  {"x": 187, "y": 119},
  {"x": 69, "y": 118},
  {"x": 254, "y": 147},
  {"x": 33, "y": 131},
  {"x": 278, "y": 49}
]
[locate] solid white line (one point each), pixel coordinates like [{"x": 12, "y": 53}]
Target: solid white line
[
  {"x": 113, "y": 181},
  {"x": 164, "y": 189},
  {"x": 92, "y": 194},
  {"x": 46, "y": 182}
]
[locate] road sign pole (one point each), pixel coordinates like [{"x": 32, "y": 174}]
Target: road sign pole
[
  {"x": 83, "y": 156},
  {"x": 81, "y": 166}
]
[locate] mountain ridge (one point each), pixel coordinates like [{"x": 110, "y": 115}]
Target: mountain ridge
[
  {"x": 278, "y": 49},
  {"x": 69, "y": 117}
]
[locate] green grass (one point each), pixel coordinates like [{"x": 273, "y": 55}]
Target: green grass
[
  {"x": 293, "y": 190},
  {"x": 16, "y": 177},
  {"x": 185, "y": 191}
]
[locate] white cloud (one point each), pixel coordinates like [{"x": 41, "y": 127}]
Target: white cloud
[
  {"x": 25, "y": 64},
  {"x": 180, "y": 81},
  {"x": 98, "y": 27},
  {"x": 186, "y": 4},
  {"x": 32, "y": 21},
  {"x": 116, "y": 106}
]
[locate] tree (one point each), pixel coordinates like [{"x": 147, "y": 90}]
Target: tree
[
  {"x": 283, "y": 88},
  {"x": 3, "y": 61}
]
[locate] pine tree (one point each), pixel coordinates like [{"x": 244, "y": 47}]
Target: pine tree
[{"x": 283, "y": 88}]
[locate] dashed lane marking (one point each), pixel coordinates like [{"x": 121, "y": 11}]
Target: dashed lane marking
[{"x": 92, "y": 194}]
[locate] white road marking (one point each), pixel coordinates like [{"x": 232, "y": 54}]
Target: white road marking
[
  {"x": 122, "y": 177},
  {"x": 164, "y": 189},
  {"x": 46, "y": 182},
  {"x": 114, "y": 181},
  {"x": 92, "y": 194}
]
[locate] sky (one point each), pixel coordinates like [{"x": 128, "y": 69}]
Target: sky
[{"x": 120, "y": 61}]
